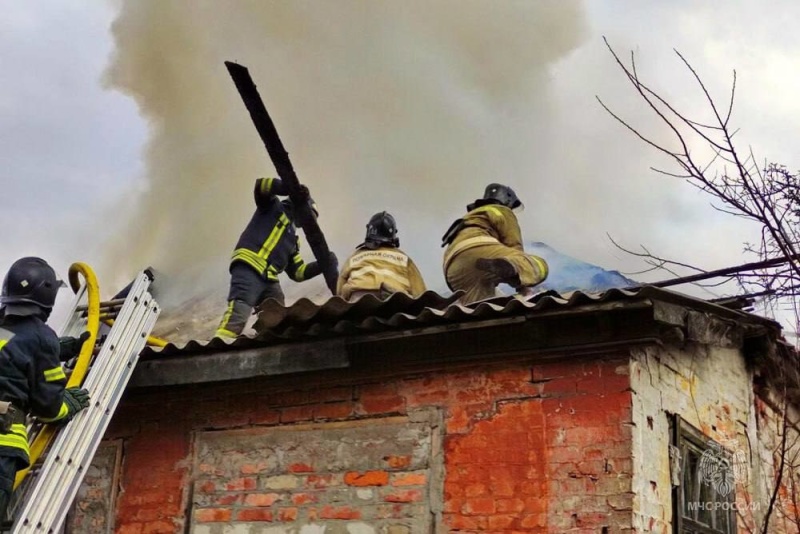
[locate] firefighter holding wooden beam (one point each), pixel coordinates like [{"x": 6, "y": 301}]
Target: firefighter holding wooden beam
[{"x": 268, "y": 246}]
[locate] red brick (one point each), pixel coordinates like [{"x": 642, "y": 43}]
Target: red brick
[
  {"x": 480, "y": 506},
  {"x": 212, "y": 515},
  {"x": 300, "y": 468},
  {"x": 338, "y": 410},
  {"x": 404, "y": 496},
  {"x": 475, "y": 490},
  {"x": 436, "y": 393},
  {"x": 559, "y": 387},
  {"x": 521, "y": 375},
  {"x": 287, "y": 514},
  {"x": 398, "y": 462},
  {"x": 383, "y": 404},
  {"x": 297, "y": 413},
  {"x": 227, "y": 500},
  {"x": 546, "y": 371},
  {"x": 241, "y": 484},
  {"x": 261, "y": 499},
  {"x": 369, "y": 478},
  {"x": 130, "y": 528},
  {"x": 458, "y": 420},
  {"x": 320, "y": 481},
  {"x": 533, "y": 521},
  {"x": 147, "y": 514},
  {"x": 265, "y": 417},
  {"x": 610, "y": 383},
  {"x": 343, "y": 512},
  {"x": 304, "y": 498},
  {"x": 207, "y": 487},
  {"x": 255, "y": 514},
  {"x": 504, "y": 481},
  {"x": 452, "y": 505},
  {"x": 501, "y": 522},
  {"x": 462, "y": 523},
  {"x": 159, "y": 527},
  {"x": 510, "y": 505},
  {"x": 289, "y": 398},
  {"x": 414, "y": 479},
  {"x": 535, "y": 505},
  {"x": 340, "y": 393},
  {"x": 252, "y": 469}
]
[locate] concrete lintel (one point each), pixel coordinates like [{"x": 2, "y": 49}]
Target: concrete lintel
[{"x": 236, "y": 365}]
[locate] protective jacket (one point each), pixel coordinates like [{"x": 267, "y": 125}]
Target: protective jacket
[
  {"x": 383, "y": 268},
  {"x": 488, "y": 231},
  {"x": 31, "y": 378},
  {"x": 269, "y": 244}
]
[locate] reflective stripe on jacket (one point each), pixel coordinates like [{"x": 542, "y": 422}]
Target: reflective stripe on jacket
[
  {"x": 385, "y": 268},
  {"x": 31, "y": 377},
  {"x": 269, "y": 242},
  {"x": 489, "y": 224}
]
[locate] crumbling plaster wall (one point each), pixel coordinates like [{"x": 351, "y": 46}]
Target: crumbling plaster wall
[
  {"x": 710, "y": 386},
  {"x": 772, "y": 453}
]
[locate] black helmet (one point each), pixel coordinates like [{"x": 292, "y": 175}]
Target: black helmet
[
  {"x": 498, "y": 194},
  {"x": 30, "y": 284},
  {"x": 381, "y": 231}
]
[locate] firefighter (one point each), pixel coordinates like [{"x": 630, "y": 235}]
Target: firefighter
[
  {"x": 484, "y": 248},
  {"x": 378, "y": 266},
  {"x": 267, "y": 247},
  {"x": 31, "y": 377}
]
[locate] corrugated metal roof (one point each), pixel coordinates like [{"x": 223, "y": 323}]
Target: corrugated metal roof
[{"x": 305, "y": 320}]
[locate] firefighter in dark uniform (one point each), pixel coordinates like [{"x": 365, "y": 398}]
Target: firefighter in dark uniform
[
  {"x": 31, "y": 377},
  {"x": 267, "y": 247}
]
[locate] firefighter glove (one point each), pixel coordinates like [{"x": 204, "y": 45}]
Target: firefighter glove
[
  {"x": 76, "y": 399},
  {"x": 70, "y": 347}
]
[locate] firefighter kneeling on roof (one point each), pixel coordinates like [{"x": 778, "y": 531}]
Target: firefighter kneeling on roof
[
  {"x": 379, "y": 267},
  {"x": 31, "y": 377},
  {"x": 484, "y": 248},
  {"x": 267, "y": 247}
]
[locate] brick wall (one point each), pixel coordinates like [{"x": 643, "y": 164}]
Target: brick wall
[
  {"x": 522, "y": 447},
  {"x": 378, "y": 473},
  {"x": 93, "y": 511}
]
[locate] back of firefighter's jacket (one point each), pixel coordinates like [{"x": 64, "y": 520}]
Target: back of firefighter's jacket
[
  {"x": 31, "y": 378},
  {"x": 386, "y": 268},
  {"x": 491, "y": 224},
  {"x": 269, "y": 240}
]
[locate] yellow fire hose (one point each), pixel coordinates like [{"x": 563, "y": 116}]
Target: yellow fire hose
[
  {"x": 153, "y": 341},
  {"x": 48, "y": 432}
]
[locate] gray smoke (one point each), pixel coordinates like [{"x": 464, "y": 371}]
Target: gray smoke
[{"x": 406, "y": 106}]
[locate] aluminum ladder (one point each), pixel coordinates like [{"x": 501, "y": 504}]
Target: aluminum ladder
[{"x": 46, "y": 499}]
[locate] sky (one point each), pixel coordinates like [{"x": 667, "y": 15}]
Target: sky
[{"x": 123, "y": 143}]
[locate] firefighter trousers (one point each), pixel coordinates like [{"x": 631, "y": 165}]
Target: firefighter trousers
[
  {"x": 462, "y": 273},
  {"x": 248, "y": 290},
  {"x": 8, "y": 472}
]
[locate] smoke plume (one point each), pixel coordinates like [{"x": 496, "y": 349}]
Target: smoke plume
[{"x": 406, "y": 106}]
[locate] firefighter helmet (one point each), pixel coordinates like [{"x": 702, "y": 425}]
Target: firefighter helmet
[
  {"x": 502, "y": 194},
  {"x": 382, "y": 231},
  {"x": 498, "y": 194},
  {"x": 29, "y": 288}
]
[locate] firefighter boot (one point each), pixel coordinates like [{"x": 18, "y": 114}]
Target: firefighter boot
[{"x": 501, "y": 268}]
